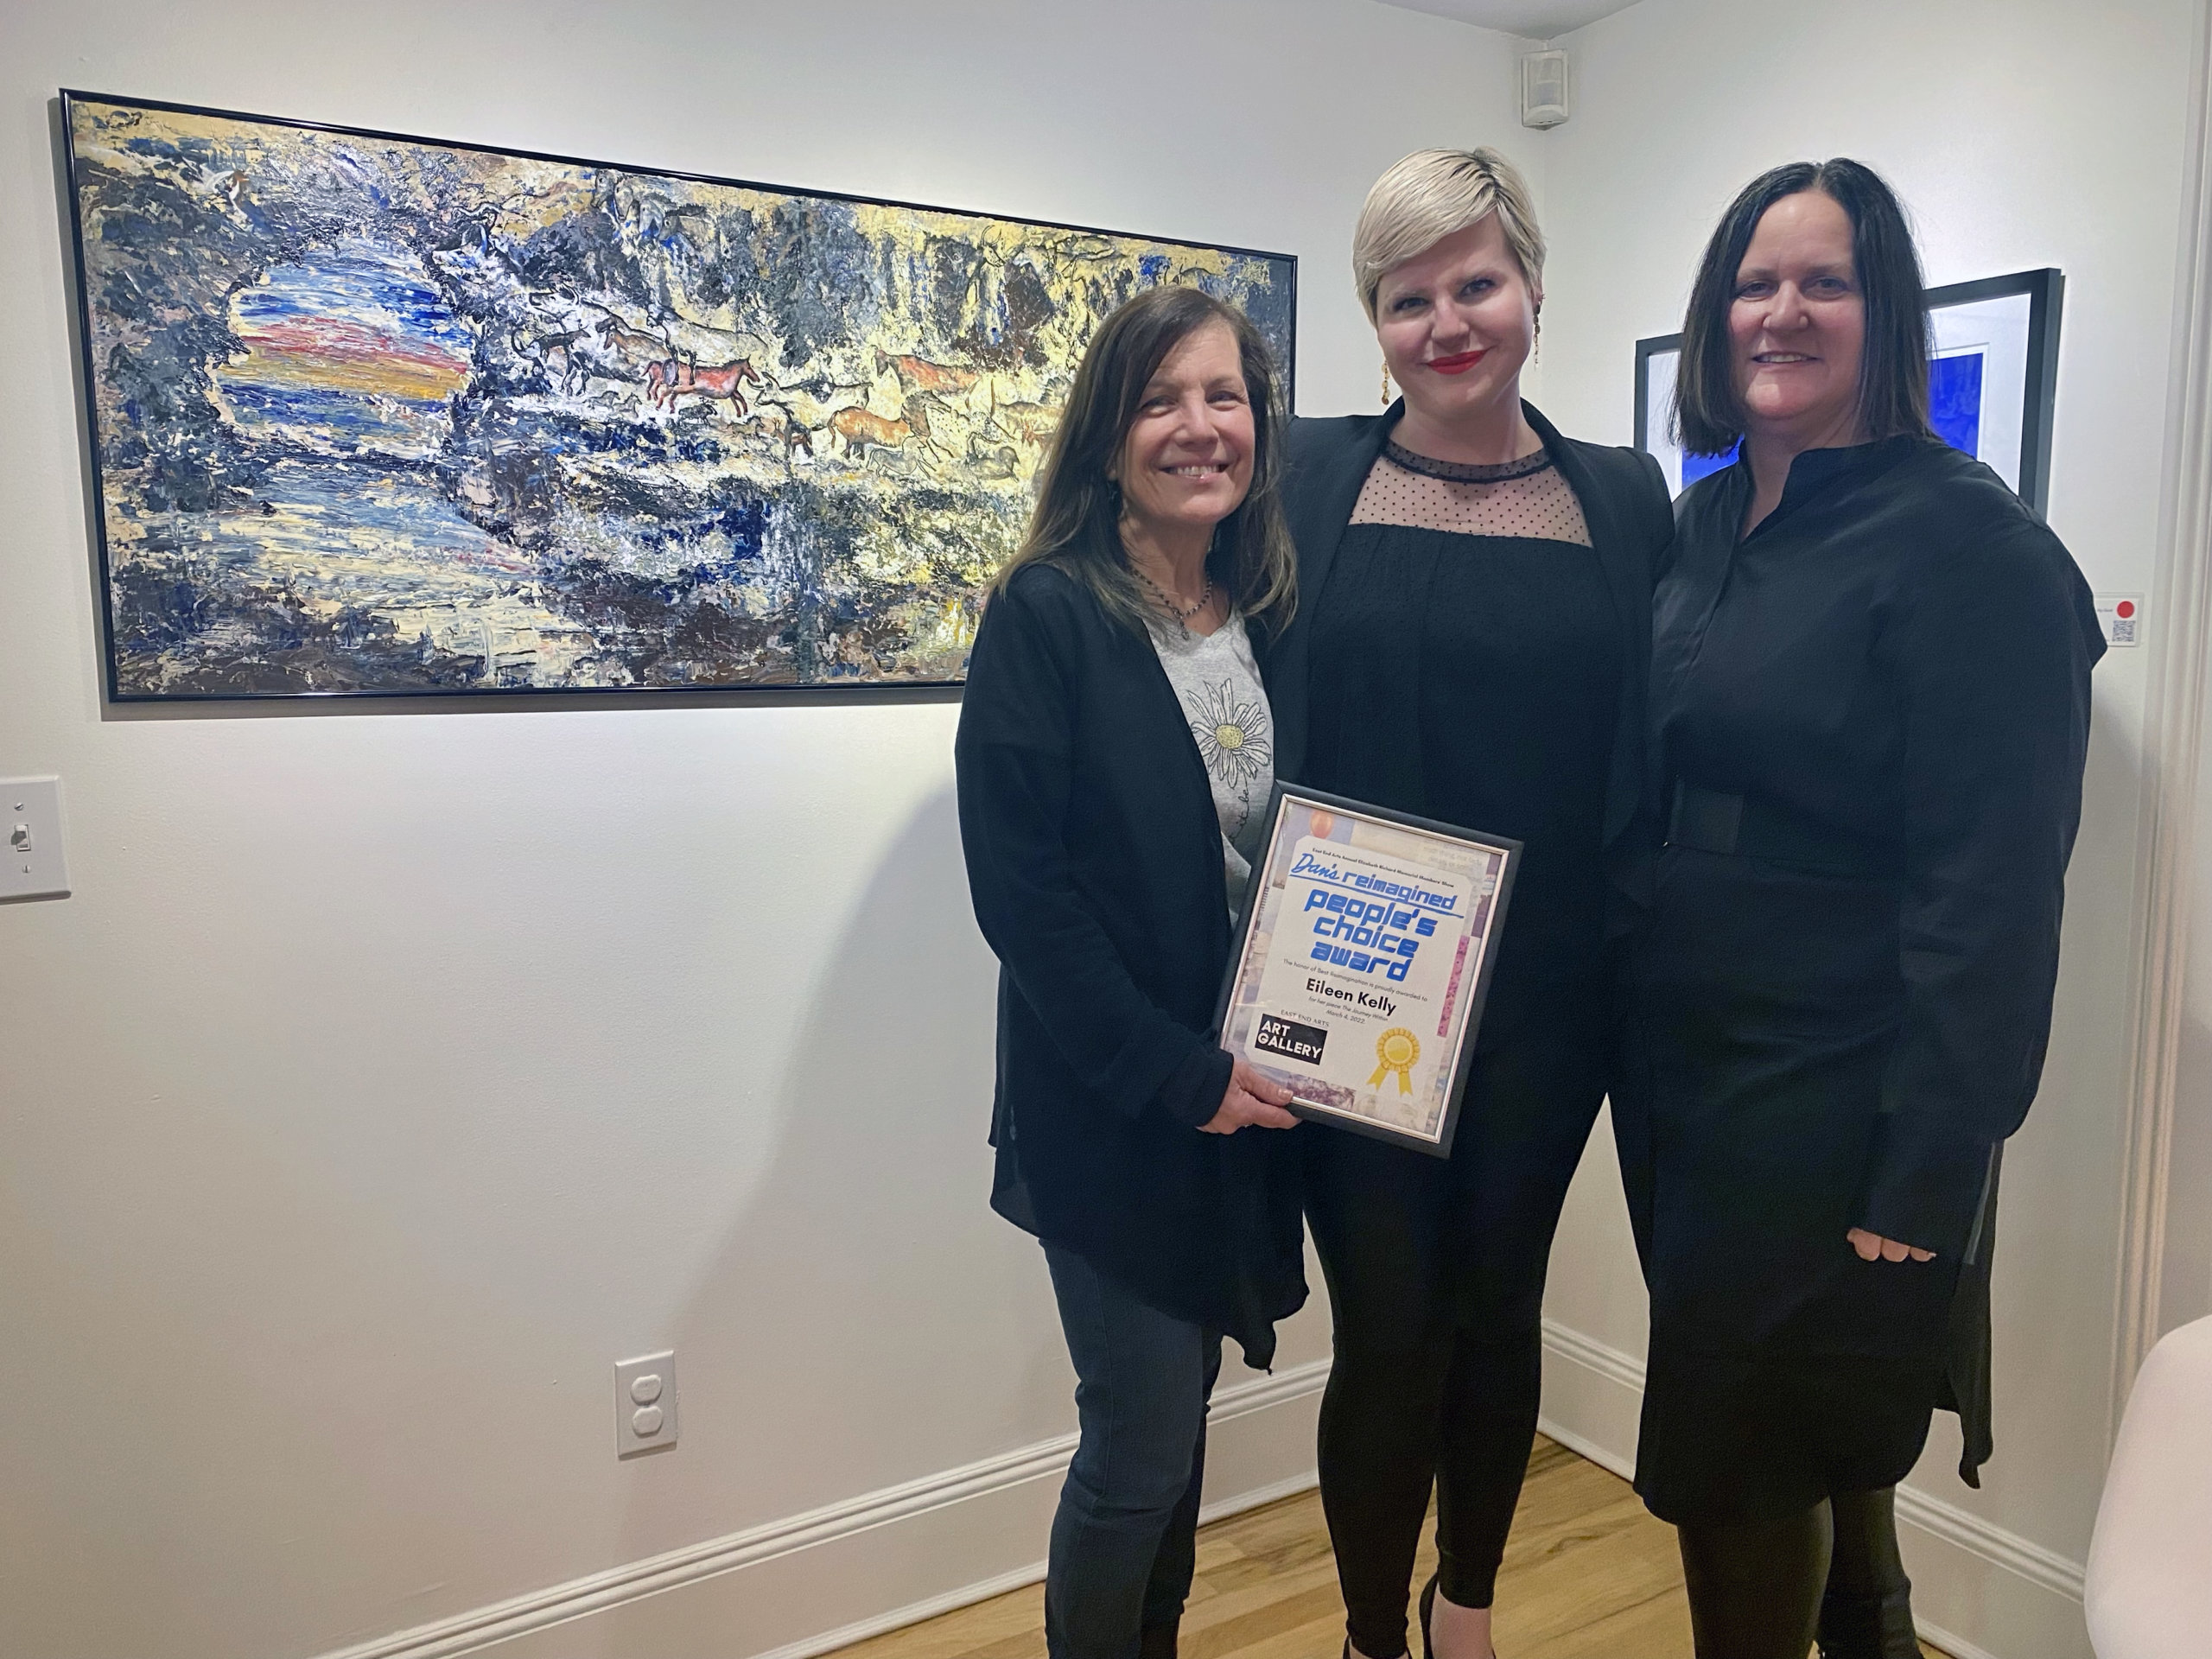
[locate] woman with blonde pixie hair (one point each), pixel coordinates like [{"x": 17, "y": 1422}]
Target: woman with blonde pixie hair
[{"x": 1472, "y": 646}]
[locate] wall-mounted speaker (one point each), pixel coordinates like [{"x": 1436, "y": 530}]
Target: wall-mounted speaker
[{"x": 1543, "y": 89}]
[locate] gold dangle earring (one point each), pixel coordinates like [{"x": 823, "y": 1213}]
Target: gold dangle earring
[
  {"x": 1386, "y": 383},
  {"x": 1539, "y": 335}
]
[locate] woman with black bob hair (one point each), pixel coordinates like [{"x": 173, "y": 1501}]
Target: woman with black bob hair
[
  {"x": 1115, "y": 760},
  {"x": 1870, "y": 699}
]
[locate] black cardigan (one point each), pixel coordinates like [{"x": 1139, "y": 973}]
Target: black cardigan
[
  {"x": 1623, "y": 497},
  {"x": 1095, "y": 865}
]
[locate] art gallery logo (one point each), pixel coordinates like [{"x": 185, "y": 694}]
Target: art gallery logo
[{"x": 1290, "y": 1040}]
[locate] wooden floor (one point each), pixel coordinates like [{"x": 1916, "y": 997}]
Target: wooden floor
[{"x": 1588, "y": 1574}]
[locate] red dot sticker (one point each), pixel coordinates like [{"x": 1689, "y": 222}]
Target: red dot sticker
[{"x": 2121, "y": 616}]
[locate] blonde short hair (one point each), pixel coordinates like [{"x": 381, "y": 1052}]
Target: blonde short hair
[{"x": 1434, "y": 194}]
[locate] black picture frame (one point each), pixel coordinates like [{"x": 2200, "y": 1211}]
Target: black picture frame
[
  {"x": 1463, "y": 1015},
  {"x": 119, "y": 686},
  {"x": 2045, "y": 290}
]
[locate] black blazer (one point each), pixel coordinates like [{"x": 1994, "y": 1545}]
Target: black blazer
[
  {"x": 1095, "y": 865},
  {"x": 1624, "y": 502}
]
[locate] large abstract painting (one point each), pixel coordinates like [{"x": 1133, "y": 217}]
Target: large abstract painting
[
  {"x": 1993, "y": 380},
  {"x": 379, "y": 415}
]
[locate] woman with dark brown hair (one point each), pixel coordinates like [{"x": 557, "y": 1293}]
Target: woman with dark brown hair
[
  {"x": 1869, "y": 697},
  {"x": 1115, "y": 760}
]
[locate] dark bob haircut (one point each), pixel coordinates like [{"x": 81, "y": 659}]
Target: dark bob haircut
[
  {"x": 1893, "y": 364},
  {"x": 1076, "y": 525}
]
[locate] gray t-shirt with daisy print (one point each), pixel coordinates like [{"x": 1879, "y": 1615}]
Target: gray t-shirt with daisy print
[{"x": 1218, "y": 686}]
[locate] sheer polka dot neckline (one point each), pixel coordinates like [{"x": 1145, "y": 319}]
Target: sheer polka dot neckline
[
  {"x": 1527, "y": 499},
  {"x": 1467, "y": 471}
]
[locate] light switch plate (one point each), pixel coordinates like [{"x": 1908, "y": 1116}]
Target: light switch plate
[
  {"x": 31, "y": 861},
  {"x": 644, "y": 1403}
]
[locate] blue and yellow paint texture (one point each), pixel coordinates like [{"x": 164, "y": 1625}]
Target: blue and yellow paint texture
[{"x": 376, "y": 415}]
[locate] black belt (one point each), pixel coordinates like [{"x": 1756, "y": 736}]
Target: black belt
[{"x": 1747, "y": 826}]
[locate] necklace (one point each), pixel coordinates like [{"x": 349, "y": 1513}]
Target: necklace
[
  {"x": 1181, "y": 615},
  {"x": 1461, "y": 472}
]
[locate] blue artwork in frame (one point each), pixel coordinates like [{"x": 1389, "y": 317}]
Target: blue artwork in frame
[
  {"x": 1992, "y": 382},
  {"x": 1695, "y": 465},
  {"x": 1954, "y": 398}
]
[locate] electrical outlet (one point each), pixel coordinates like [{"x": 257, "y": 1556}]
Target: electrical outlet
[
  {"x": 31, "y": 865},
  {"x": 644, "y": 1403}
]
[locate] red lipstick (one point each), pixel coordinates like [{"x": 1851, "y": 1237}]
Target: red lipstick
[{"x": 1457, "y": 363}]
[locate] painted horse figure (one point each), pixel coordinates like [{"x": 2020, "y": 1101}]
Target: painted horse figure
[
  {"x": 865, "y": 432},
  {"x": 629, "y": 345},
  {"x": 669, "y": 377},
  {"x": 562, "y": 355},
  {"x": 920, "y": 374}
]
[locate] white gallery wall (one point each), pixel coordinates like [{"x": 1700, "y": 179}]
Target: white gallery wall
[
  {"x": 2021, "y": 133},
  {"x": 392, "y": 1073}
]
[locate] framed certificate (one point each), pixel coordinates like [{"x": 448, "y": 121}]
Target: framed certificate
[{"x": 1364, "y": 953}]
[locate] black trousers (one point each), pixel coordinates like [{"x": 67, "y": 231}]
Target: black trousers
[
  {"x": 1764, "y": 1589},
  {"x": 1436, "y": 1282}
]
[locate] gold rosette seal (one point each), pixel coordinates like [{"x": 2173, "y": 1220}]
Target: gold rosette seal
[{"x": 1398, "y": 1050}]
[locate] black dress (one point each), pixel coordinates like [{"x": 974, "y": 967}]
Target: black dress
[
  {"x": 1481, "y": 679},
  {"x": 1870, "y": 715},
  {"x": 1474, "y": 679}
]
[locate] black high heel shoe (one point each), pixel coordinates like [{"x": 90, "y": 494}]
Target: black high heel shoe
[{"x": 1429, "y": 1613}]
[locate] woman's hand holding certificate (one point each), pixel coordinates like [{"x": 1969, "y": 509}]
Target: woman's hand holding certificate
[{"x": 1251, "y": 1101}]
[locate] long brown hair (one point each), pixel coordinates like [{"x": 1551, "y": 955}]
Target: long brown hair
[{"x": 1075, "y": 526}]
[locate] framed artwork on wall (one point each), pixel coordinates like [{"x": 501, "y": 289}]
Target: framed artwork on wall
[
  {"x": 375, "y": 415},
  {"x": 1992, "y": 379}
]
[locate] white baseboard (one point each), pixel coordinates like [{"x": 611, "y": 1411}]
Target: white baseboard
[
  {"x": 1980, "y": 1591},
  {"x": 1593, "y": 1396},
  {"x": 910, "y": 1552},
  {"x": 2016, "y": 1554},
  {"x": 1022, "y": 1577},
  {"x": 1957, "y": 1646},
  {"x": 891, "y": 1557}
]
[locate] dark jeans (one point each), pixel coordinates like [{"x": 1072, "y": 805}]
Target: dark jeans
[{"x": 1124, "y": 1540}]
